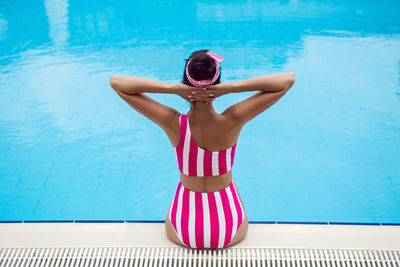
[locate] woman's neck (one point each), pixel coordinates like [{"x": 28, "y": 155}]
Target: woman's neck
[{"x": 202, "y": 109}]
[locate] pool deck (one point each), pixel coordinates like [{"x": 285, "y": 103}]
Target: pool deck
[{"x": 154, "y": 235}]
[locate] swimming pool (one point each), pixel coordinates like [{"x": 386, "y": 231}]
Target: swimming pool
[{"x": 71, "y": 149}]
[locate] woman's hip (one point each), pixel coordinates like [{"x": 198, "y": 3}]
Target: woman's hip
[{"x": 206, "y": 219}]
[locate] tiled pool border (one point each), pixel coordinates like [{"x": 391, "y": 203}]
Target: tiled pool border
[{"x": 156, "y": 221}]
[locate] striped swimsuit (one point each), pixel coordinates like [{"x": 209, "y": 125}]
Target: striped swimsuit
[{"x": 204, "y": 219}]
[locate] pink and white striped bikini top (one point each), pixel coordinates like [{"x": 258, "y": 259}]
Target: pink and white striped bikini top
[{"x": 195, "y": 161}]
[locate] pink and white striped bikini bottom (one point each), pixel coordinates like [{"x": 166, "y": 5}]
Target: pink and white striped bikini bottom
[{"x": 206, "y": 219}]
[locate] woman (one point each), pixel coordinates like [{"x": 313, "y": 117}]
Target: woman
[{"x": 207, "y": 210}]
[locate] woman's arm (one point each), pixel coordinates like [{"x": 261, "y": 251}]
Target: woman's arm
[
  {"x": 132, "y": 89},
  {"x": 132, "y": 85},
  {"x": 244, "y": 111},
  {"x": 266, "y": 83}
]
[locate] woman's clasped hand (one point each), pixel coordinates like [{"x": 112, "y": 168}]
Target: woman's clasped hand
[
  {"x": 202, "y": 94},
  {"x": 193, "y": 93}
]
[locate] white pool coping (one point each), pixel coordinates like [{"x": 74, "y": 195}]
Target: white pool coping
[{"x": 154, "y": 235}]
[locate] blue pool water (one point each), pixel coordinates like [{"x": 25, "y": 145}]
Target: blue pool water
[{"x": 71, "y": 149}]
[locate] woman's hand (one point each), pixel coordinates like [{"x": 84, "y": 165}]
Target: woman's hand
[
  {"x": 206, "y": 94},
  {"x": 183, "y": 90},
  {"x": 193, "y": 93},
  {"x": 202, "y": 94},
  {"x": 210, "y": 92}
]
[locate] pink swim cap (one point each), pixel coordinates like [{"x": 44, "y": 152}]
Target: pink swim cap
[{"x": 217, "y": 59}]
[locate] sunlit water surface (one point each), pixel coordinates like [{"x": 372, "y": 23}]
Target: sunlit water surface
[{"x": 71, "y": 149}]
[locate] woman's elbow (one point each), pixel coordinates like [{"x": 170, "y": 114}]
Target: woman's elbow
[
  {"x": 114, "y": 82},
  {"x": 291, "y": 80}
]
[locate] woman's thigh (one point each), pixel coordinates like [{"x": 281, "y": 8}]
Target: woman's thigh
[
  {"x": 241, "y": 232},
  {"x": 171, "y": 231}
]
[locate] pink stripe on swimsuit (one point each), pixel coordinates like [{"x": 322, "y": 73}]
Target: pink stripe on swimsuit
[{"x": 204, "y": 219}]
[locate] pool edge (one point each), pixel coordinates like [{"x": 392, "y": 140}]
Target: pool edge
[{"x": 289, "y": 235}]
